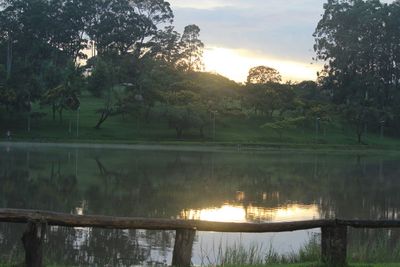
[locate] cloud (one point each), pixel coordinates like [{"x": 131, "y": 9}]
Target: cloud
[
  {"x": 204, "y": 4},
  {"x": 281, "y": 29},
  {"x": 235, "y": 64},
  {"x": 268, "y": 26}
]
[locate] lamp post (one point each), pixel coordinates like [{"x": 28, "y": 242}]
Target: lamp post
[
  {"x": 382, "y": 127},
  {"x": 77, "y": 121},
  {"x": 139, "y": 99},
  {"x": 214, "y": 123},
  {"x": 29, "y": 113},
  {"x": 317, "y": 120}
]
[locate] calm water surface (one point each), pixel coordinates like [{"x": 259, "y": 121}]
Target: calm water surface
[{"x": 218, "y": 186}]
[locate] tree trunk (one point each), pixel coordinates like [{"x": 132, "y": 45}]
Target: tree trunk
[
  {"x": 103, "y": 118},
  {"x": 9, "y": 58},
  {"x": 54, "y": 111},
  {"x": 359, "y": 134},
  {"x": 147, "y": 114},
  {"x": 202, "y": 132},
  {"x": 60, "y": 114},
  {"x": 179, "y": 133}
]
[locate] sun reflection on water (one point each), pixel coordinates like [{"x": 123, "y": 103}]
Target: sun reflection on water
[{"x": 249, "y": 213}]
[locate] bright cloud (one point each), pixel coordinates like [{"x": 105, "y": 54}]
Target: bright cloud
[
  {"x": 204, "y": 4},
  {"x": 244, "y": 33},
  {"x": 235, "y": 64}
]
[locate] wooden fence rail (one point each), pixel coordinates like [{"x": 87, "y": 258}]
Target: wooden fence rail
[{"x": 333, "y": 232}]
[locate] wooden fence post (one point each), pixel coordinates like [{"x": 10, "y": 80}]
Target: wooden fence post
[
  {"x": 334, "y": 245},
  {"x": 182, "y": 255},
  {"x": 32, "y": 240}
]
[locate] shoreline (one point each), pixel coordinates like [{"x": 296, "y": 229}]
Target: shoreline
[{"x": 206, "y": 146}]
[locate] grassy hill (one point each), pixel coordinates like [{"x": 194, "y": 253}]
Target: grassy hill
[{"x": 240, "y": 129}]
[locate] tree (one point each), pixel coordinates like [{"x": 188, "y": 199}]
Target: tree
[
  {"x": 263, "y": 75},
  {"x": 153, "y": 13},
  {"x": 357, "y": 115},
  {"x": 36, "y": 37},
  {"x": 8, "y": 30},
  {"x": 102, "y": 83},
  {"x": 115, "y": 27},
  {"x": 191, "y": 55},
  {"x": 185, "y": 109},
  {"x": 270, "y": 97},
  {"x": 64, "y": 95},
  {"x": 358, "y": 41},
  {"x": 166, "y": 47},
  {"x": 123, "y": 26},
  {"x": 7, "y": 98}
]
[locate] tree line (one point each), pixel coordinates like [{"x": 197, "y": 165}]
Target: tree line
[{"x": 128, "y": 54}]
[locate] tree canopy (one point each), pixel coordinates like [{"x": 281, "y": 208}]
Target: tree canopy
[
  {"x": 262, "y": 75},
  {"x": 359, "y": 42}
]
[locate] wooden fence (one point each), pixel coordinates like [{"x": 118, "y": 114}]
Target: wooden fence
[{"x": 333, "y": 232}]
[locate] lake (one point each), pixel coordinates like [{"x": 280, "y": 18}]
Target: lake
[{"x": 185, "y": 183}]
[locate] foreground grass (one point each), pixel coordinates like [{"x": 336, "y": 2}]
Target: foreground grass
[
  {"x": 269, "y": 265},
  {"x": 319, "y": 265},
  {"x": 229, "y": 130}
]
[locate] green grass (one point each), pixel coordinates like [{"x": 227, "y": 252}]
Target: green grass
[
  {"x": 318, "y": 265},
  {"x": 230, "y": 130},
  {"x": 270, "y": 265}
]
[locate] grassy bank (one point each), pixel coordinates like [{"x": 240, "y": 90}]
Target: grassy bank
[
  {"x": 267, "y": 265},
  {"x": 319, "y": 265},
  {"x": 229, "y": 130}
]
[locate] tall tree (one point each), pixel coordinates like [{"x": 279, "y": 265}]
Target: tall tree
[
  {"x": 153, "y": 13},
  {"x": 103, "y": 84},
  {"x": 262, "y": 75},
  {"x": 166, "y": 46},
  {"x": 358, "y": 41},
  {"x": 125, "y": 26},
  {"x": 191, "y": 46}
]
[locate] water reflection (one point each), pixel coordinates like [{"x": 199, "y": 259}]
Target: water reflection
[
  {"x": 240, "y": 213},
  {"x": 237, "y": 187}
]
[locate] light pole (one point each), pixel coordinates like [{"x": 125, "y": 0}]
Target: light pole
[
  {"x": 29, "y": 113},
  {"x": 139, "y": 98},
  {"x": 77, "y": 121},
  {"x": 214, "y": 118},
  {"x": 29, "y": 122},
  {"x": 317, "y": 120}
]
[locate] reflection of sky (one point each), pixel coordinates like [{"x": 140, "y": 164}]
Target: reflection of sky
[
  {"x": 332, "y": 189},
  {"x": 205, "y": 251},
  {"x": 240, "y": 213}
]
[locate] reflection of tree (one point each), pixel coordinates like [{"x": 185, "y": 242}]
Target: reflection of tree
[
  {"x": 162, "y": 184},
  {"x": 371, "y": 245},
  {"x": 91, "y": 246},
  {"x": 11, "y": 250}
]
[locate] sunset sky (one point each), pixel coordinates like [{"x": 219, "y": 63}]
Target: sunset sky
[{"x": 240, "y": 34}]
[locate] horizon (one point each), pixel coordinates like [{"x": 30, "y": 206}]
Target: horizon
[{"x": 272, "y": 33}]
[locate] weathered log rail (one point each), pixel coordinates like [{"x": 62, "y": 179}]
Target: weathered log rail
[{"x": 333, "y": 232}]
